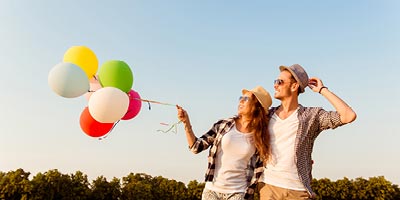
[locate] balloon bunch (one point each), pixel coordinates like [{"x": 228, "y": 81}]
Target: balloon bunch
[{"x": 109, "y": 94}]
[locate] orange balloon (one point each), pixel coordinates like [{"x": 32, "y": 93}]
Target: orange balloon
[{"x": 92, "y": 127}]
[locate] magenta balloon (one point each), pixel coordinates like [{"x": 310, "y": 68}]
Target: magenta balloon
[{"x": 135, "y": 104}]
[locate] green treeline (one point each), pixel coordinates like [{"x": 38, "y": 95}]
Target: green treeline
[{"x": 55, "y": 185}]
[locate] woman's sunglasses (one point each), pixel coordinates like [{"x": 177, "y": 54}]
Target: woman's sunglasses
[{"x": 244, "y": 98}]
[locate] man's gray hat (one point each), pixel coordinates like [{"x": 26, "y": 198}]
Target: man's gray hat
[{"x": 299, "y": 74}]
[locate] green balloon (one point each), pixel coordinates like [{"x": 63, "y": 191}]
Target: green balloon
[{"x": 116, "y": 73}]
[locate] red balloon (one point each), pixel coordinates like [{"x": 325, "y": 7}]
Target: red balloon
[
  {"x": 135, "y": 104},
  {"x": 92, "y": 127}
]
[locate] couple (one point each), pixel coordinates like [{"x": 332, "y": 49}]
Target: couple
[{"x": 269, "y": 146}]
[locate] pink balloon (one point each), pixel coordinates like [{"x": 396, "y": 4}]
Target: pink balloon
[
  {"x": 94, "y": 86},
  {"x": 135, "y": 104}
]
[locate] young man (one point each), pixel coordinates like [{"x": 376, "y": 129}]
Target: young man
[{"x": 293, "y": 130}]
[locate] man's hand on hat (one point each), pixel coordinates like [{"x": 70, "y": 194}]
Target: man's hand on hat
[{"x": 315, "y": 84}]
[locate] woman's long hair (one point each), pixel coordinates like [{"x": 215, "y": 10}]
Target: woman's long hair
[{"x": 259, "y": 125}]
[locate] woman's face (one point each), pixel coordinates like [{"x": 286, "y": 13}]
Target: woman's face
[{"x": 245, "y": 104}]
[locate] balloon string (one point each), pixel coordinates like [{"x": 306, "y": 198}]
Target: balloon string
[
  {"x": 104, "y": 137},
  {"x": 173, "y": 128},
  {"x": 157, "y": 102}
]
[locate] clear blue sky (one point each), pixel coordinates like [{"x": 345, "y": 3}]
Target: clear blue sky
[{"x": 198, "y": 54}]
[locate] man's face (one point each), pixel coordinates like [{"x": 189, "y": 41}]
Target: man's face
[{"x": 283, "y": 85}]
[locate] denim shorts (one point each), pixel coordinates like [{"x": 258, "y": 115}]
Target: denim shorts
[{"x": 212, "y": 195}]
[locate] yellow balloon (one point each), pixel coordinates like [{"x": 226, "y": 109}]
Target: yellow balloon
[{"x": 84, "y": 58}]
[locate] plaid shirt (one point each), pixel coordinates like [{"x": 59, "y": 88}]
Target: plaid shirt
[
  {"x": 312, "y": 121},
  {"x": 213, "y": 138}
]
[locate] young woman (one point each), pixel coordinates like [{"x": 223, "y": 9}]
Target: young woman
[{"x": 238, "y": 147}]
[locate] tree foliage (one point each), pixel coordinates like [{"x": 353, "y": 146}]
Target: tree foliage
[
  {"x": 104, "y": 190},
  {"x": 195, "y": 189},
  {"x": 14, "y": 185},
  {"x": 55, "y": 185},
  {"x": 377, "y": 188}
]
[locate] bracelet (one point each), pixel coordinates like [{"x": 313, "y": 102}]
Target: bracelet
[{"x": 321, "y": 89}]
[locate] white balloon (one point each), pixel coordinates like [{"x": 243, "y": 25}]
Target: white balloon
[
  {"x": 68, "y": 80},
  {"x": 108, "y": 104}
]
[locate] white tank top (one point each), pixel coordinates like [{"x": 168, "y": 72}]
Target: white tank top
[{"x": 233, "y": 156}]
